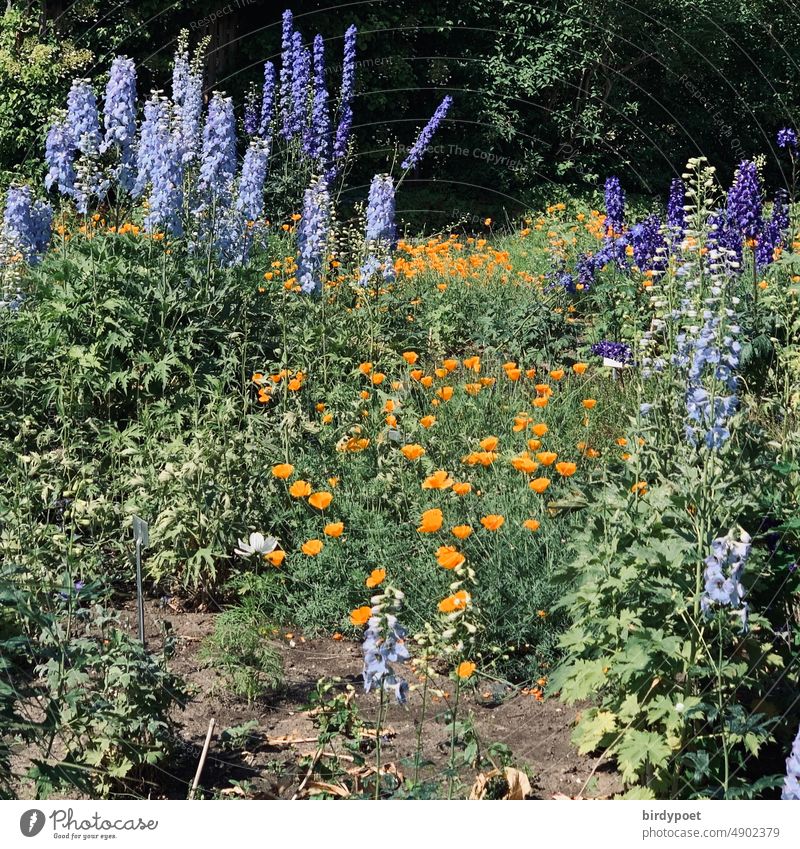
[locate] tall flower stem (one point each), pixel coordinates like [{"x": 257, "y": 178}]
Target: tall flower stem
[{"x": 453, "y": 740}]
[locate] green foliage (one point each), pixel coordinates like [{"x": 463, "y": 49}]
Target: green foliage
[
  {"x": 241, "y": 647},
  {"x": 103, "y": 702}
]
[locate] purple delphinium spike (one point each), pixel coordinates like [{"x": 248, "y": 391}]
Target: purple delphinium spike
[
  {"x": 723, "y": 574},
  {"x": 218, "y": 157},
  {"x": 252, "y": 115},
  {"x": 250, "y": 192},
  {"x": 676, "y": 215},
  {"x": 346, "y": 94},
  {"x": 768, "y": 240},
  {"x": 301, "y": 77},
  {"x": 165, "y": 173},
  {"x": 119, "y": 114},
  {"x": 317, "y": 132},
  {"x": 381, "y": 232},
  {"x": 59, "y": 156},
  {"x": 615, "y": 206},
  {"x": 791, "y": 784},
  {"x": 312, "y": 237},
  {"x": 27, "y": 223},
  {"x": 83, "y": 120},
  {"x": 649, "y": 247},
  {"x": 787, "y": 138},
  {"x": 780, "y": 210},
  {"x": 424, "y": 138},
  {"x": 285, "y": 76},
  {"x": 267, "y": 100},
  {"x": 744, "y": 200},
  {"x": 156, "y": 116}
]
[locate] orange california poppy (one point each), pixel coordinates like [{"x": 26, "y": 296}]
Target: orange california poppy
[
  {"x": 449, "y": 557},
  {"x": 489, "y": 443},
  {"x": 462, "y": 488},
  {"x": 428, "y": 421},
  {"x": 282, "y": 471},
  {"x": 365, "y": 368},
  {"x": 445, "y": 393},
  {"x": 465, "y": 669},
  {"x": 275, "y": 557},
  {"x": 580, "y": 368},
  {"x": 589, "y": 403},
  {"x": 450, "y": 365},
  {"x": 557, "y": 373},
  {"x": 412, "y": 451},
  {"x": 334, "y": 529},
  {"x": 457, "y": 601},
  {"x": 566, "y": 470},
  {"x": 523, "y": 463},
  {"x": 321, "y": 500},
  {"x": 540, "y": 429},
  {"x": 300, "y": 489},
  {"x": 492, "y": 522},
  {"x": 430, "y": 521},
  {"x": 461, "y": 531},
  {"x": 361, "y": 615},
  {"x": 376, "y": 578},
  {"x": 531, "y": 524},
  {"x": 540, "y": 403},
  {"x": 539, "y": 484},
  {"x": 312, "y": 547},
  {"x": 547, "y": 458},
  {"x": 438, "y": 480},
  {"x": 410, "y": 357}
]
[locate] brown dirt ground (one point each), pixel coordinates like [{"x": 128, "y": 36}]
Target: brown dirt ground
[{"x": 537, "y": 732}]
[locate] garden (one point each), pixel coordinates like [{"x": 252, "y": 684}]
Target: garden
[{"x": 308, "y": 492}]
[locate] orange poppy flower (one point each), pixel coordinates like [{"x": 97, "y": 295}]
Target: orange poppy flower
[
  {"x": 376, "y": 578},
  {"x": 521, "y": 422},
  {"x": 523, "y": 463},
  {"x": 430, "y": 521},
  {"x": 426, "y": 381},
  {"x": 450, "y": 365},
  {"x": 461, "y": 531},
  {"x": 321, "y": 500},
  {"x": 492, "y": 522},
  {"x": 410, "y": 357},
  {"x": 438, "y": 480},
  {"x": 440, "y": 372},
  {"x": 540, "y": 403},
  {"x": 365, "y": 368},
  {"x": 547, "y": 458},
  {"x": 457, "y": 601},
  {"x": 412, "y": 451},
  {"x": 589, "y": 403},
  {"x": 361, "y": 615},
  {"x": 472, "y": 388},
  {"x": 449, "y": 557},
  {"x": 312, "y": 547},
  {"x": 557, "y": 373},
  {"x": 334, "y": 529},
  {"x": 445, "y": 393},
  {"x": 580, "y": 368},
  {"x": 566, "y": 470},
  {"x": 378, "y": 378},
  {"x": 300, "y": 489},
  {"x": 465, "y": 669},
  {"x": 473, "y": 363},
  {"x": 275, "y": 557},
  {"x": 428, "y": 421},
  {"x": 282, "y": 471},
  {"x": 389, "y": 406},
  {"x": 462, "y": 488},
  {"x": 531, "y": 524},
  {"x": 639, "y": 488},
  {"x": 513, "y": 374},
  {"x": 540, "y": 429},
  {"x": 489, "y": 443},
  {"x": 622, "y": 441},
  {"x": 543, "y": 389},
  {"x": 539, "y": 484},
  {"x": 534, "y": 444},
  {"x": 416, "y": 374}
]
